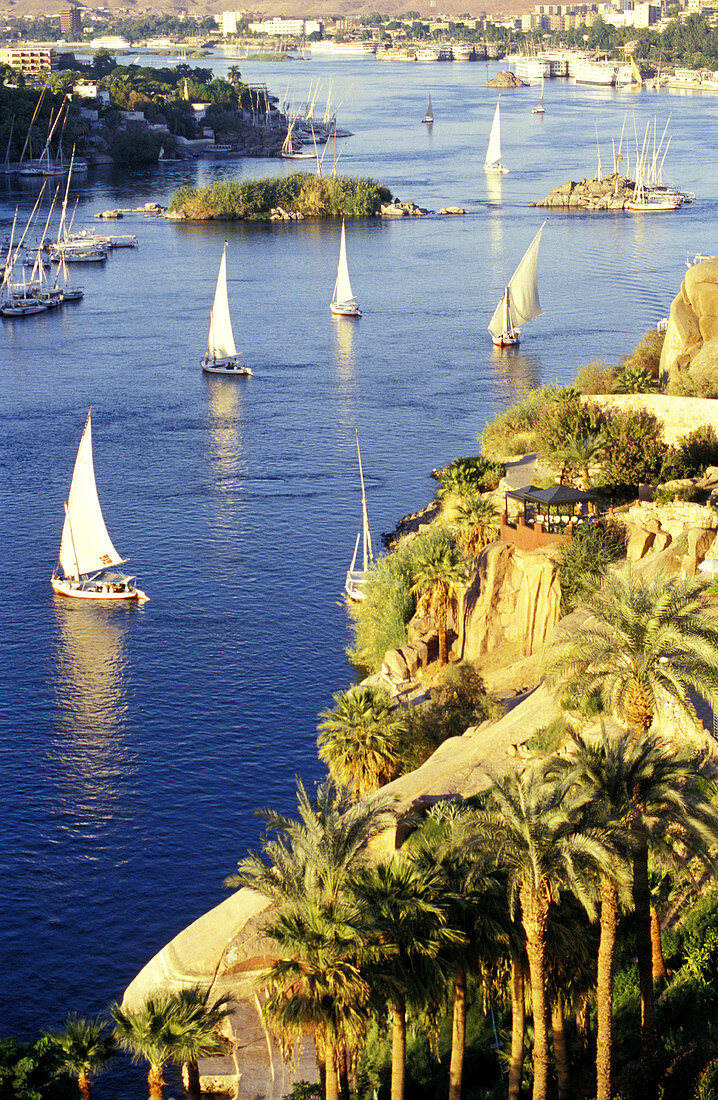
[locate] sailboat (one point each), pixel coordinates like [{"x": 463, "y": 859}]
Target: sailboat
[
  {"x": 87, "y": 554},
  {"x": 539, "y": 109},
  {"x": 520, "y": 301},
  {"x": 343, "y": 303},
  {"x": 356, "y": 578},
  {"x": 429, "y": 116},
  {"x": 493, "y": 152},
  {"x": 221, "y": 354}
]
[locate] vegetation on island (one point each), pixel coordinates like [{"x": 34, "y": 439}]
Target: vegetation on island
[{"x": 302, "y": 193}]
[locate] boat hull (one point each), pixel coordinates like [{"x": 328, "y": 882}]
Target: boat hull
[
  {"x": 345, "y": 309},
  {"x": 23, "y": 310},
  {"x": 506, "y": 339},
  {"x": 652, "y": 207},
  {"x": 225, "y": 366},
  {"x": 498, "y": 168},
  {"x": 62, "y": 586}
]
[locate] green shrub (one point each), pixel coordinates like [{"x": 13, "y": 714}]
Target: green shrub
[
  {"x": 135, "y": 148},
  {"x": 566, "y": 417},
  {"x": 513, "y": 432},
  {"x": 550, "y": 738},
  {"x": 635, "y": 380},
  {"x": 646, "y": 356},
  {"x": 583, "y": 562},
  {"x": 692, "y": 455},
  {"x": 635, "y": 447},
  {"x": 457, "y": 702},
  {"x": 596, "y": 377},
  {"x": 684, "y": 384},
  {"x": 707, "y": 1086},
  {"x": 466, "y": 476},
  {"x": 682, "y": 1075},
  {"x": 303, "y": 1090},
  {"x": 300, "y": 192}
]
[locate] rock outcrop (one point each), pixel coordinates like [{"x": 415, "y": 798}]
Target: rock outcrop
[
  {"x": 691, "y": 342},
  {"x": 506, "y": 79},
  {"x": 610, "y": 193},
  {"x": 398, "y": 209}
]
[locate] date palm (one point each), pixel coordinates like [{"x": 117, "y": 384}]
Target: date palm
[
  {"x": 361, "y": 738},
  {"x": 643, "y": 644},
  {"x": 314, "y": 854},
  {"x": 316, "y": 984},
  {"x": 531, "y": 827},
  {"x": 149, "y": 1033},
  {"x": 408, "y": 930},
  {"x": 439, "y": 571},
  {"x": 583, "y": 451},
  {"x": 196, "y": 1033},
  {"x": 86, "y": 1048},
  {"x": 477, "y": 521}
]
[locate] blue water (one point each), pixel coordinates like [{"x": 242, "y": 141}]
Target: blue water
[{"x": 135, "y": 743}]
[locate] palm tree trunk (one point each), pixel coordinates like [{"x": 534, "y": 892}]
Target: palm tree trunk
[
  {"x": 518, "y": 1027},
  {"x": 458, "y": 1037},
  {"x": 658, "y": 963},
  {"x": 604, "y": 988},
  {"x": 85, "y": 1086},
  {"x": 156, "y": 1082},
  {"x": 534, "y": 917},
  {"x": 642, "y": 908},
  {"x": 442, "y": 632},
  {"x": 398, "y": 1049},
  {"x": 190, "y": 1079},
  {"x": 560, "y": 1050},
  {"x": 331, "y": 1079}
]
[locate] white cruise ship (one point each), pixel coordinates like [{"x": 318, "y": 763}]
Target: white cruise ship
[
  {"x": 596, "y": 72},
  {"x": 343, "y": 49},
  {"x": 532, "y": 68}
]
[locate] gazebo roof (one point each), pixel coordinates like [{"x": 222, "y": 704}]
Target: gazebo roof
[{"x": 555, "y": 494}]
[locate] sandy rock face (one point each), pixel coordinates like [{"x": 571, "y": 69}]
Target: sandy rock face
[
  {"x": 513, "y": 602},
  {"x": 691, "y": 342}
]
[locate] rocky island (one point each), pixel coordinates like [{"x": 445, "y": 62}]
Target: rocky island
[
  {"x": 609, "y": 193},
  {"x": 505, "y": 80}
]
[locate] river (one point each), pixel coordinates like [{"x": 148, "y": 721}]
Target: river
[{"x": 137, "y": 742}]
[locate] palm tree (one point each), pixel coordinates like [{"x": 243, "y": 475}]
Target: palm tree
[
  {"x": 473, "y": 896},
  {"x": 197, "y": 1034},
  {"x": 316, "y": 984},
  {"x": 478, "y": 522},
  {"x": 439, "y": 571},
  {"x": 531, "y": 828},
  {"x": 643, "y": 792},
  {"x": 149, "y": 1033},
  {"x": 583, "y": 451},
  {"x": 361, "y": 738},
  {"x": 86, "y": 1047},
  {"x": 407, "y": 930},
  {"x": 314, "y": 855},
  {"x": 644, "y": 643},
  {"x": 233, "y": 75}
]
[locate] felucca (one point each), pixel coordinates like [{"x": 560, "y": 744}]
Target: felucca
[
  {"x": 343, "y": 303},
  {"x": 539, "y": 109},
  {"x": 221, "y": 354},
  {"x": 493, "y": 152},
  {"x": 356, "y": 578},
  {"x": 87, "y": 555},
  {"x": 429, "y": 116},
  {"x": 520, "y": 301}
]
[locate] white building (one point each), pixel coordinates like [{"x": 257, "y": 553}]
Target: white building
[
  {"x": 230, "y": 22},
  {"x": 91, "y": 91},
  {"x": 110, "y": 42},
  {"x": 292, "y": 28}
]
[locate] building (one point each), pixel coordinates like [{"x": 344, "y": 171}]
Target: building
[
  {"x": 91, "y": 91},
  {"x": 230, "y": 22},
  {"x": 30, "y": 59},
  {"x": 110, "y": 42},
  {"x": 70, "y": 22},
  {"x": 291, "y": 28}
]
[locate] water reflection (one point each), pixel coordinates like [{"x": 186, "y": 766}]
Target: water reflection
[
  {"x": 90, "y": 685},
  {"x": 345, "y": 359},
  {"x": 494, "y": 193},
  {"x": 225, "y": 430},
  {"x": 516, "y": 371}
]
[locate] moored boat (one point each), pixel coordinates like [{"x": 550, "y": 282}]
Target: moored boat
[{"x": 87, "y": 556}]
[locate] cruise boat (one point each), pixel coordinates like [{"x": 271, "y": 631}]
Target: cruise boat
[
  {"x": 602, "y": 73},
  {"x": 87, "y": 555}
]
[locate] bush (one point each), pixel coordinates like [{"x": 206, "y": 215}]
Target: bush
[
  {"x": 565, "y": 418},
  {"x": 684, "y": 384},
  {"x": 458, "y": 701},
  {"x": 692, "y": 455},
  {"x": 635, "y": 380},
  {"x": 513, "y": 432},
  {"x": 133, "y": 148},
  {"x": 635, "y": 448},
  {"x": 467, "y": 476},
  {"x": 596, "y": 377},
  {"x": 550, "y": 738},
  {"x": 645, "y": 357},
  {"x": 300, "y": 192},
  {"x": 583, "y": 562}
]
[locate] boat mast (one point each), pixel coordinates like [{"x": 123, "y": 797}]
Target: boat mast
[
  {"x": 368, "y": 554},
  {"x": 72, "y": 540}
]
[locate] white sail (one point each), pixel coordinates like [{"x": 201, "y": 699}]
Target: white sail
[
  {"x": 429, "y": 116},
  {"x": 493, "y": 152},
  {"x": 86, "y": 546},
  {"x": 342, "y": 287},
  {"x": 520, "y": 300},
  {"x": 220, "y": 344}
]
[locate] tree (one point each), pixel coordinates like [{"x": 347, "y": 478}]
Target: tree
[
  {"x": 583, "y": 451},
  {"x": 316, "y": 854},
  {"x": 86, "y": 1048},
  {"x": 439, "y": 572},
  {"x": 149, "y": 1033},
  {"x": 643, "y": 644},
  {"x": 361, "y": 738},
  {"x": 645, "y": 794},
  {"x": 407, "y": 926},
  {"x": 531, "y": 827},
  {"x": 478, "y": 522},
  {"x": 316, "y": 985},
  {"x": 197, "y": 1033}
]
